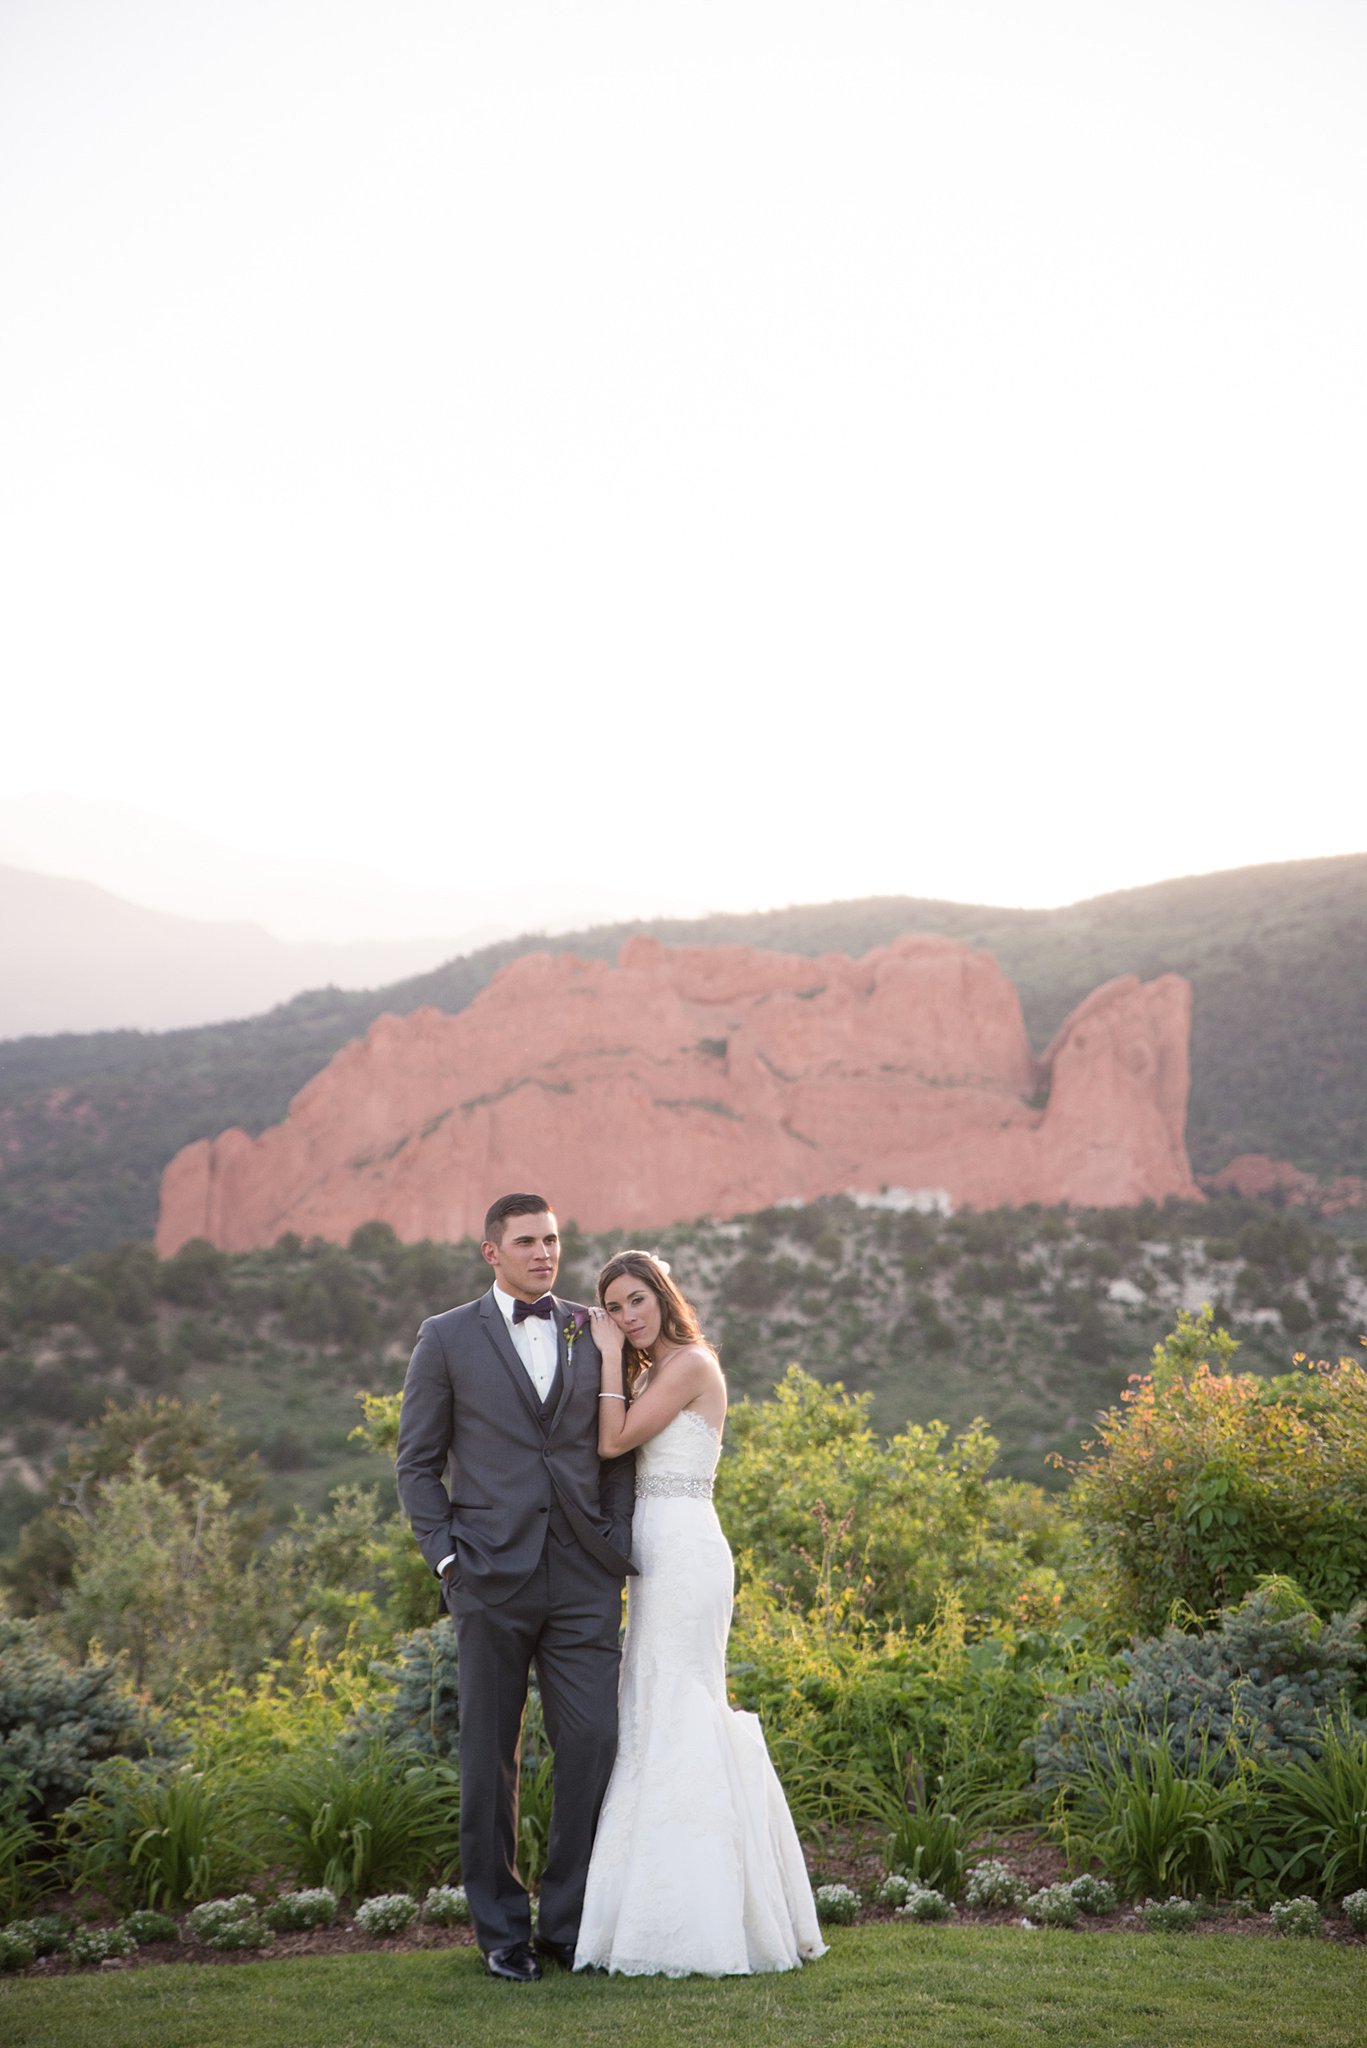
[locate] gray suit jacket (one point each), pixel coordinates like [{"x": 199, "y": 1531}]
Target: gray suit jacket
[{"x": 482, "y": 1468}]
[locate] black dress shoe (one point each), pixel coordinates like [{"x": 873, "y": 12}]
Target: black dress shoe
[
  {"x": 515, "y": 1963},
  {"x": 561, "y": 1952}
]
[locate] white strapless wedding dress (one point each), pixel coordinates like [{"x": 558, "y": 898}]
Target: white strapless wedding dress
[{"x": 696, "y": 1865}]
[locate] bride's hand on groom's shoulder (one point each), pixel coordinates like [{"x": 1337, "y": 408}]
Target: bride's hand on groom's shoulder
[{"x": 605, "y": 1334}]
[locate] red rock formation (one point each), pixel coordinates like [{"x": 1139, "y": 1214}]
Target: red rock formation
[
  {"x": 709, "y": 1081},
  {"x": 1257, "y": 1176}
]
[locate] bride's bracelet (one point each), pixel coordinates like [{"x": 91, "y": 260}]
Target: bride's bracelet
[{"x": 612, "y": 1397}]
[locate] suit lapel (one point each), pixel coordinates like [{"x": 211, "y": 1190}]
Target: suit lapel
[
  {"x": 565, "y": 1358},
  {"x": 497, "y": 1332}
]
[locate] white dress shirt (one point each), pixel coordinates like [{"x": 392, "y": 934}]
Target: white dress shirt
[{"x": 535, "y": 1342}]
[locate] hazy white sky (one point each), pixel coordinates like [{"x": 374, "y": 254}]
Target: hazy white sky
[{"x": 769, "y": 451}]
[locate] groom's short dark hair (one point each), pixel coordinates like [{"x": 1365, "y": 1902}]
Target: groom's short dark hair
[{"x": 511, "y": 1205}]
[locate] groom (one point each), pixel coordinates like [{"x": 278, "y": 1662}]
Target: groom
[{"x": 530, "y": 1534}]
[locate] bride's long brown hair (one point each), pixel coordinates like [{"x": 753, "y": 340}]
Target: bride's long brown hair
[{"x": 678, "y": 1318}]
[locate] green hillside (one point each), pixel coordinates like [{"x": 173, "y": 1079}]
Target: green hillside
[
  {"x": 1031, "y": 1318},
  {"x": 1276, "y": 956}
]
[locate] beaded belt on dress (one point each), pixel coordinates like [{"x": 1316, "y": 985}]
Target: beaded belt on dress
[{"x": 669, "y": 1485}]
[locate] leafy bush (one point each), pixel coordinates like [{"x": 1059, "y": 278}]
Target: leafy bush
[
  {"x": 923, "y": 1902},
  {"x": 292, "y": 1912},
  {"x": 1298, "y": 1918},
  {"x": 16, "y": 1951},
  {"x": 58, "y": 1721},
  {"x": 163, "y": 1838},
  {"x": 227, "y": 1924},
  {"x": 206, "y": 1919},
  {"x": 992, "y": 1886},
  {"x": 146, "y": 1926},
  {"x": 1169, "y": 1916},
  {"x": 1053, "y": 1906},
  {"x": 1093, "y": 1894},
  {"x": 1355, "y": 1911},
  {"x": 100, "y": 1944},
  {"x": 892, "y": 1889},
  {"x": 1206, "y": 1481},
  {"x": 48, "y": 1932},
  {"x": 919, "y": 1510},
  {"x": 1260, "y": 1685},
  {"x": 446, "y": 1906},
  {"x": 836, "y": 1903},
  {"x": 386, "y": 1915},
  {"x": 353, "y": 1820}
]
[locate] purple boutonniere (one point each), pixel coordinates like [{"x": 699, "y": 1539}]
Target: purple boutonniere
[{"x": 575, "y": 1321}]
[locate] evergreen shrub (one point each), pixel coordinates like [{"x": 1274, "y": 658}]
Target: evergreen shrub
[
  {"x": 1262, "y": 1684},
  {"x": 58, "y": 1720}
]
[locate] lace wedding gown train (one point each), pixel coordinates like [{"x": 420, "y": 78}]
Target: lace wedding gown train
[{"x": 696, "y": 1865}]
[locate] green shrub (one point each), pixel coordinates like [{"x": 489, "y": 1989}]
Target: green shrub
[
  {"x": 353, "y": 1820},
  {"x": 1299, "y": 1918},
  {"x": 58, "y": 1721},
  {"x": 892, "y": 1889},
  {"x": 48, "y": 1932},
  {"x": 1093, "y": 1894},
  {"x": 293, "y": 1912},
  {"x": 1355, "y": 1911},
  {"x": 1053, "y": 1906},
  {"x": 163, "y": 1837},
  {"x": 16, "y": 1951},
  {"x": 424, "y": 1711},
  {"x": 924, "y": 1903},
  {"x": 836, "y": 1904},
  {"x": 389, "y": 1914},
  {"x": 1206, "y": 1481},
  {"x": 146, "y": 1926},
  {"x": 1261, "y": 1685},
  {"x": 993, "y": 1887},
  {"x": 446, "y": 1906},
  {"x": 928, "y": 1846},
  {"x": 100, "y": 1945},
  {"x": 228, "y": 1924},
  {"x": 1169, "y": 1916}
]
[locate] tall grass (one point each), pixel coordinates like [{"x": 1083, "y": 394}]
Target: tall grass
[
  {"x": 1318, "y": 1808},
  {"x": 374, "y": 1819},
  {"x": 1155, "y": 1822},
  {"x": 22, "y": 1864},
  {"x": 161, "y": 1838}
]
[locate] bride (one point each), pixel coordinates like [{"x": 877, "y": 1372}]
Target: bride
[{"x": 696, "y": 1865}]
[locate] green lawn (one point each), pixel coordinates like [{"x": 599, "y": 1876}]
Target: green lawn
[{"x": 931, "y": 1987}]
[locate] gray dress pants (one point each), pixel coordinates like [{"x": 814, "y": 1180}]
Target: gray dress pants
[{"x": 565, "y": 1620}]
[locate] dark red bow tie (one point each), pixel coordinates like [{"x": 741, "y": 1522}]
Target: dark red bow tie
[{"x": 544, "y": 1307}]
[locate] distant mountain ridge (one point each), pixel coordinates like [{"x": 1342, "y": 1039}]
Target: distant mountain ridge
[
  {"x": 77, "y": 958},
  {"x": 1275, "y": 956}
]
